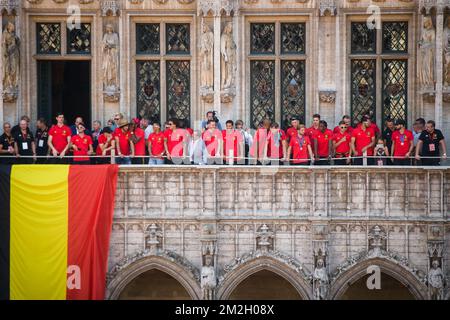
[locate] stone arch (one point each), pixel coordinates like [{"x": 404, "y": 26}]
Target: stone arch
[
  {"x": 395, "y": 270},
  {"x": 242, "y": 270},
  {"x": 167, "y": 262}
]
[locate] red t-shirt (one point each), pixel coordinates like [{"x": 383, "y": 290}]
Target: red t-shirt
[
  {"x": 211, "y": 140},
  {"x": 139, "y": 147},
  {"x": 343, "y": 149},
  {"x": 82, "y": 144},
  {"x": 373, "y": 126},
  {"x": 291, "y": 132},
  {"x": 124, "y": 141},
  {"x": 260, "y": 140},
  {"x": 231, "y": 141},
  {"x": 275, "y": 144},
  {"x": 175, "y": 141},
  {"x": 323, "y": 142},
  {"x": 300, "y": 149},
  {"x": 156, "y": 141},
  {"x": 190, "y": 131},
  {"x": 59, "y": 137},
  {"x": 338, "y": 130},
  {"x": 362, "y": 139},
  {"x": 103, "y": 140},
  {"x": 401, "y": 142}
]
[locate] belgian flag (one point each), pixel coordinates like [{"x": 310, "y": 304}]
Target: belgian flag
[{"x": 55, "y": 224}]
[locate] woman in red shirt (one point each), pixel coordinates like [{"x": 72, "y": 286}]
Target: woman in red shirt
[{"x": 300, "y": 148}]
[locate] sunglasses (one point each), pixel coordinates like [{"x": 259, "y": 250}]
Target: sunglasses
[
  {"x": 343, "y": 127},
  {"x": 116, "y": 119}
]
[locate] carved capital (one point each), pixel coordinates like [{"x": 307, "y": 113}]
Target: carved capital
[
  {"x": 11, "y": 7},
  {"x": 110, "y": 7}
]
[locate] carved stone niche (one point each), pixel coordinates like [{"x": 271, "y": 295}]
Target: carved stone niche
[
  {"x": 377, "y": 241},
  {"x": 327, "y": 6},
  {"x": 153, "y": 238},
  {"x": 327, "y": 96},
  {"x": 110, "y": 7},
  {"x": 11, "y": 7},
  {"x": 264, "y": 239}
]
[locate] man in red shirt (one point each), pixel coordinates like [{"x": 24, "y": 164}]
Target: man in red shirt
[
  {"x": 312, "y": 131},
  {"x": 175, "y": 143},
  {"x": 322, "y": 144},
  {"x": 138, "y": 137},
  {"x": 348, "y": 122},
  {"x": 300, "y": 148},
  {"x": 106, "y": 144},
  {"x": 293, "y": 129},
  {"x": 363, "y": 142},
  {"x": 233, "y": 142},
  {"x": 276, "y": 144},
  {"x": 341, "y": 145},
  {"x": 213, "y": 139},
  {"x": 258, "y": 150},
  {"x": 402, "y": 144},
  {"x": 156, "y": 145},
  {"x": 124, "y": 145},
  {"x": 82, "y": 146},
  {"x": 372, "y": 125},
  {"x": 59, "y": 139}
]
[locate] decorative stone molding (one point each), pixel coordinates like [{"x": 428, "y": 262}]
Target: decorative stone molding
[
  {"x": 136, "y": 1},
  {"x": 86, "y": 1},
  {"x": 160, "y": 1},
  {"x": 327, "y": 6},
  {"x": 425, "y": 6},
  {"x": 216, "y": 7},
  {"x": 110, "y": 7},
  {"x": 377, "y": 241},
  {"x": 35, "y": 1},
  {"x": 185, "y": 1},
  {"x": 264, "y": 239},
  {"x": 327, "y": 96},
  {"x": 11, "y": 7},
  {"x": 153, "y": 238}
]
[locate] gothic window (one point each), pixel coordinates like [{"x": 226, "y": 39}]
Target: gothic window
[
  {"x": 147, "y": 38},
  {"x": 178, "y": 40},
  {"x": 148, "y": 89},
  {"x": 363, "y": 74},
  {"x": 385, "y": 63},
  {"x": 395, "y": 37},
  {"x": 262, "y": 91},
  {"x": 395, "y": 89},
  {"x": 178, "y": 90},
  {"x": 79, "y": 39},
  {"x": 363, "y": 38},
  {"x": 262, "y": 38},
  {"x": 277, "y": 56},
  {"x": 48, "y": 38},
  {"x": 293, "y": 38},
  {"x": 163, "y": 71}
]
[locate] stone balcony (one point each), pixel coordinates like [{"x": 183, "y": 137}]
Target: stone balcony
[{"x": 166, "y": 216}]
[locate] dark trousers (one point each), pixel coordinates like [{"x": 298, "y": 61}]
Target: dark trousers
[
  {"x": 402, "y": 162},
  {"x": 58, "y": 160},
  {"x": 138, "y": 161},
  {"x": 359, "y": 162},
  {"x": 340, "y": 162},
  {"x": 431, "y": 162},
  {"x": 322, "y": 162}
]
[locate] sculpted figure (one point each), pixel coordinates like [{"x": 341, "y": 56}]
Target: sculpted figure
[
  {"x": 427, "y": 53},
  {"x": 110, "y": 46},
  {"x": 228, "y": 54},
  {"x": 207, "y": 56},
  {"x": 208, "y": 279},
  {"x": 320, "y": 281},
  {"x": 11, "y": 55},
  {"x": 436, "y": 281}
]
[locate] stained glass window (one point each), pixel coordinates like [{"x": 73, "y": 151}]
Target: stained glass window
[
  {"x": 178, "y": 90},
  {"x": 363, "y": 91},
  {"x": 262, "y": 38},
  {"x": 79, "y": 39},
  {"x": 292, "y": 91},
  {"x": 395, "y": 37},
  {"x": 48, "y": 38},
  {"x": 262, "y": 91},
  {"x": 363, "y": 39},
  {"x": 148, "y": 89},
  {"x": 293, "y": 38},
  {"x": 147, "y": 38},
  {"x": 177, "y": 37},
  {"x": 395, "y": 89}
]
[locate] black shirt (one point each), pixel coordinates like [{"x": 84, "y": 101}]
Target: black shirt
[
  {"x": 24, "y": 142},
  {"x": 387, "y": 136},
  {"x": 430, "y": 147},
  {"x": 42, "y": 142},
  {"x": 6, "y": 142}
]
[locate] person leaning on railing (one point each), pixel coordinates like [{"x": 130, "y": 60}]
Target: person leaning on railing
[{"x": 431, "y": 142}]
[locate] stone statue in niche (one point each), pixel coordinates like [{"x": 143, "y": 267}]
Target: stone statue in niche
[
  {"x": 208, "y": 278},
  {"x": 427, "y": 53},
  {"x": 447, "y": 53},
  {"x": 207, "y": 56},
  {"x": 110, "y": 67},
  {"x": 436, "y": 281},
  {"x": 11, "y": 63},
  {"x": 228, "y": 54},
  {"x": 320, "y": 281}
]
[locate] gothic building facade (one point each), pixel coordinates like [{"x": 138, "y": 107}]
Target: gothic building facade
[{"x": 219, "y": 233}]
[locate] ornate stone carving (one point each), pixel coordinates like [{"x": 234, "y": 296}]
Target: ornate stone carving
[
  {"x": 11, "y": 7},
  {"x": 110, "y": 7},
  {"x": 207, "y": 63},
  {"x": 228, "y": 60},
  {"x": 153, "y": 238},
  {"x": 427, "y": 54},
  {"x": 327, "y": 6},
  {"x": 216, "y": 7},
  {"x": 436, "y": 281},
  {"x": 377, "y": 241},
  {"x": 11, "y": 63},
  {"x": 185, "y": 1},
  {"x": 110, "y": 66},
  {"x": 160, "y": 1},
  {"x": 264, "y": 239},
  {"x": 321, "y": 281},
  {"x": 35, "y": 1},
  {"x": 446, "y": 46},
  {"x": 208, "y": 278},
  {"x": 327, "y": 96},
  {"x": 425, "y": 6},
  {"x": 169, "y": 255},
  {"x": 136, "y": 1}
]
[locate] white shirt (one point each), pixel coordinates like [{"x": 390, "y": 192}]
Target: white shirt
[{"x": 148, "y": 132}]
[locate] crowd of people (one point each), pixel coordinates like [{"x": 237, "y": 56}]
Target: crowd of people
[{"x": 140, "y": 142}]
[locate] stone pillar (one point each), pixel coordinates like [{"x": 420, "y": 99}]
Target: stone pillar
[{"x": 439, "y": 65}]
